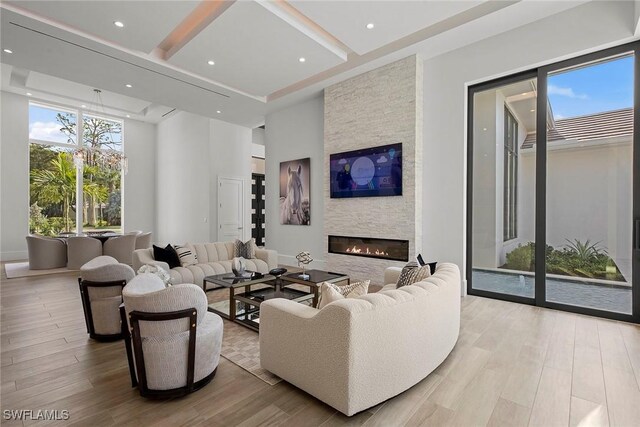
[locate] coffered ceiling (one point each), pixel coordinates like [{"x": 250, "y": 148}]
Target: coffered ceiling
[{"x": 162, "y": 49}]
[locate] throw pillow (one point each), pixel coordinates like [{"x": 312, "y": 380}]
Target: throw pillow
[
  {"x": 245, "y": 250},
  {"x": 432, "y": 265},
  {"x": 412, "y": 273},
  {"x": 167, "y": 254},
  {"x": 330, "y": 292},
  {"x": 187, "y": 255}
]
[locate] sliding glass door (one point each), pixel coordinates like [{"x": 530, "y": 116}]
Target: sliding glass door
[
  {"x": 553, "y": 191},
  {"x": 503, "y": 205}
]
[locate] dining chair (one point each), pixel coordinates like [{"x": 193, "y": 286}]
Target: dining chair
[
  {"x": 46, "y": 252},
  {"x": 82, "y": 249},
  {"x": 121, "y": 248}
]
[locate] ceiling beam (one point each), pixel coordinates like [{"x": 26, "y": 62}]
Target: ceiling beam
[
  {"x": 306, "y": 26},
  {"x": 203, "y": 15}
]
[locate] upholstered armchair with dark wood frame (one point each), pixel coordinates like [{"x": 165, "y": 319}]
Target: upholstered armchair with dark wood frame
[
  {"x": 173, "y": 343},
  {"x": 101, "y": 282}
]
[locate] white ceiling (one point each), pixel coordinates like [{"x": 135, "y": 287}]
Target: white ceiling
[
  {"x": 254, "y": 51},
  {"x": 347, "y": 20},
  {"x": 256, "y": 47},
  {"x": 147, "y": 22},
  {"x": 46, "y": 88}
]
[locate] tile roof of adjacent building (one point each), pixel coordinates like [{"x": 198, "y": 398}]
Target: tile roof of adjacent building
[{"x": 610, "y": 124}]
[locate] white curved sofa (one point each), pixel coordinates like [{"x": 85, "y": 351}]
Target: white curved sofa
[
  {"x": 213, "y": 258},
  {"x": 355, "y": 353}
]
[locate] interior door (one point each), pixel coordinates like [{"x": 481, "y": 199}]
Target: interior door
[{"x": 230, "y": 209}]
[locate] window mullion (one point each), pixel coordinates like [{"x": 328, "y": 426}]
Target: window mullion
[{"x": 79, "y": 177}]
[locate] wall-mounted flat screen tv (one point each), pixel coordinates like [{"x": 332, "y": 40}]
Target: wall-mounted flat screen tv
[{"x": 370, "y": 172}]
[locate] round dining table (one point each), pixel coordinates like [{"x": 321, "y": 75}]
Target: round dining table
[{"x": 103, "y": 236}]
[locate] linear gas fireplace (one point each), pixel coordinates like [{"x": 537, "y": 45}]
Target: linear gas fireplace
[{"x": 391, "y": 249}]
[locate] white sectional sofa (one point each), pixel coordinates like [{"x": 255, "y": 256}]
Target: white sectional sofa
[
  {"x": 213, "y": 258},
  {"x": 357, "y": 352}
]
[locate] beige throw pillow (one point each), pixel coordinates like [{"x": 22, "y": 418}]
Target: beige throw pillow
[
  {"x": 330, "y": 292},
  {"x": 412, "y": 273},
  {"x": 187, "y": 255}
]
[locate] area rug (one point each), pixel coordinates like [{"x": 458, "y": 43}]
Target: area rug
[
  {"x": 242, "y": 347},
  {"x": 21, "y": 269}
]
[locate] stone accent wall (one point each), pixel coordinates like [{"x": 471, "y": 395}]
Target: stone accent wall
[{"x": 381, "y": 107}]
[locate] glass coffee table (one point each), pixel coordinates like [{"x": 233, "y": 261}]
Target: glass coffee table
[
  {"x": 314, "y": 279},
  {"x": 245, "y": 296}
]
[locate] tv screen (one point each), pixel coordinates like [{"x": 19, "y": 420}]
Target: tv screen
[{"x": 370, "y": 172}]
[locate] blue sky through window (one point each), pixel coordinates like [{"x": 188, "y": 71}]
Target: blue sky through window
[
  {"x": 43, "y": 125},
  {"x": 596, "y": 88}
]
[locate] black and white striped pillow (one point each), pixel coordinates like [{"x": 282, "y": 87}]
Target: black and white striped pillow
[{"x": 187, "y": 255}]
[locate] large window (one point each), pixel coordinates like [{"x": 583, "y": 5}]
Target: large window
[
  {"x": 61, "y": 199},
  {"x": 510, "y": 176}
]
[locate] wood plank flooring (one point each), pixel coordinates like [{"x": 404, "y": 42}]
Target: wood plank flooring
[{"x": 514, "y": 365}]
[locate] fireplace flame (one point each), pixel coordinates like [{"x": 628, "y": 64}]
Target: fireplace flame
[{"x": 356, "y": 250}]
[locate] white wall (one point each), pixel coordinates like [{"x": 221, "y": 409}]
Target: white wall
[
  {"x": 14, "y": 176},
  {"x": 139, "y": 183},
  {"x": 230, "y": 156},
  {"x": 589, "y": 197},
  {"x": 445, "y": 87},
  {"x": 258, "y": 136},
  {"x": 295, "y": 133},
  {"x": 193, "y": 151},
  {"x": 182, "y": 179}
]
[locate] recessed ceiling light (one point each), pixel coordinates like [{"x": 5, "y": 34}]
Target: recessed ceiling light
[
  {"x": 7, "y": 50},
  {"x": 83, "y": 106},
  {"x": 128, "y": 85},
  {"x": 29, "y": 94},
  {"x": 524, "y": 93},
  {"x": 118, "y": 24},
  {"x": 128, "y": 116},
  {"x": 210, "y": 62},
  {"x": 532, "y": 110},
  {"x": 301, "y": 59},
  {"x": 218, "y": 111},
  {"x": 370, "y": 26},
  {"x": 484, "y": 129}
]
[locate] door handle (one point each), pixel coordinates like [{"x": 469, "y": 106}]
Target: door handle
[{"x": 239, "y": 228}]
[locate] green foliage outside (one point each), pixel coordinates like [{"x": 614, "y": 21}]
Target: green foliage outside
[
  {"x": 53, "y": 182},
  {"x": 576, "y": 258}
]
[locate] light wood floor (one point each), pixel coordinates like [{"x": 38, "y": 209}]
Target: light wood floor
[{"x": 513, "y": 365}]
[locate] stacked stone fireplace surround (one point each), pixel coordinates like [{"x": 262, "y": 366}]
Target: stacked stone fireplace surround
[{"x": 380, "y": 107}]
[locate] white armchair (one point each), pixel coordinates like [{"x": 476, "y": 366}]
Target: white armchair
[
  {"x": 101, "y": 282},
  {"x": 176, "y": 341},
  {"x": 355, "y": 353}
]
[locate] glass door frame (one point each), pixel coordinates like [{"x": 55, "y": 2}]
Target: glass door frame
[{"x": 541, "y": 74}]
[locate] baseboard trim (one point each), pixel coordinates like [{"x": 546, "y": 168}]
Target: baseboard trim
[
  {"x": 14, "y": 256},
  {"x": 290, "y": 260}
]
